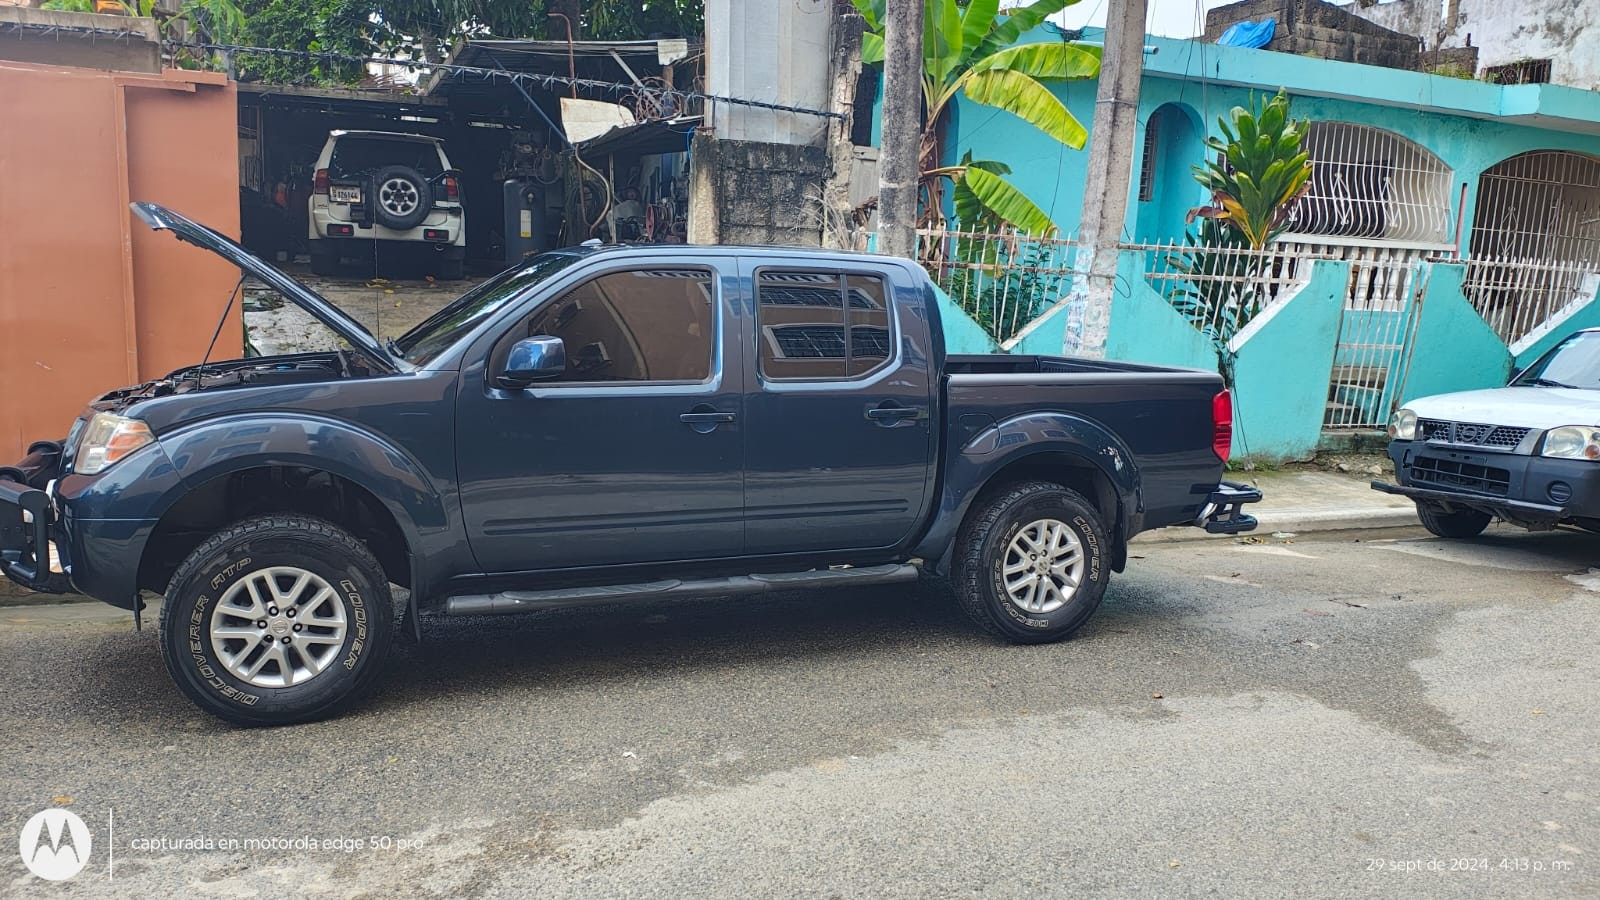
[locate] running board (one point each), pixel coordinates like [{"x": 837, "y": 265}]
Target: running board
[{"x": 528, "y": 601}]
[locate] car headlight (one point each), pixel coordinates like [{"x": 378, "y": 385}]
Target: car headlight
[
  {"x": 1403, "y": 425},
  {"x": 1572, "y": 442},
  {"x": 107, "y": 438}
]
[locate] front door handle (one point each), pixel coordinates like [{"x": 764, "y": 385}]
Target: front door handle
[
  {"x": 705, "y": 418},
  {"x": 890, "y": 412}
]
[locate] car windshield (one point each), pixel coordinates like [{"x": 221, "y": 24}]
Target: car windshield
[
  {"x": 1573, "y": 363},
  {"x": 353, "y": 155},
  {"x": 442, "y": 329}
]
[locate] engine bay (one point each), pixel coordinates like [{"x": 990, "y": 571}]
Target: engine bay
[{"x": 294, "y": 368}]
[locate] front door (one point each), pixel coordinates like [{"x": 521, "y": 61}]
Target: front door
[
  {"x": 635, "y": 454},
  {"x": 839, "y": 409}
]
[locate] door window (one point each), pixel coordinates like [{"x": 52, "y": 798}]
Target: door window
[
  {"x": 821, "y": 325},
  {"x": 636, "y": 325}
]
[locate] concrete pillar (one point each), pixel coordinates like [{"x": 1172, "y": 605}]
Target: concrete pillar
[{"x": 774, "y": 51}]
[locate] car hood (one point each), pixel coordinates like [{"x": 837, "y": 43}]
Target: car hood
[
  {"x": 1526, "y": 407},
  {"x": 160, "y": 218}
]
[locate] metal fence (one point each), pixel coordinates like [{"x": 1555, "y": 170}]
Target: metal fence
[
  {"x": 1003, "y": 280},
  {"x": 1518, "y": 296},
  {"x": 1220, "y": 289},
  {"x": 1377, "y": 327}
]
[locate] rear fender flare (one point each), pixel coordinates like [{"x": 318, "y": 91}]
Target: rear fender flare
[{"x": 1005, "y": 445}]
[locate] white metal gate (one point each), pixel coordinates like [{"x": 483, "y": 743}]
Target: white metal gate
[{"x": 1377, "y": 327}]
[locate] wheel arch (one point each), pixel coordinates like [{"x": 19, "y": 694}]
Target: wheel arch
[
  {"x": 240, "y": 493},
  {"x": 1077, "y": 453},
  {"x": 240, "y": 466}
]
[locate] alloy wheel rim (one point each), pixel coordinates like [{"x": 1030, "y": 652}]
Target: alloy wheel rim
[
  {"x": 279, "y": 626},
  {"x": 1043, "y": 566},
  {"x": 398, "y": 196}
]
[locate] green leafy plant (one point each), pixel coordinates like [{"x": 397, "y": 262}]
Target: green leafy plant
[
  {"x": 967, "y": 50},
  {"x": 1257, "y": 175},
  {"x": 1259, "y": 170},
  {"x": 1002, "y": 284}
]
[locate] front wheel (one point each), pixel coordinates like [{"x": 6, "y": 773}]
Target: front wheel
[
  {"x": 1463, "y": 523},
  {"x": 275, "y": 620},
  {"x": 1032, "y": 562}
]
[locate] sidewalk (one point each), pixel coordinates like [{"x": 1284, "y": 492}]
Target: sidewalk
[{"x": 1301, "y": 501}]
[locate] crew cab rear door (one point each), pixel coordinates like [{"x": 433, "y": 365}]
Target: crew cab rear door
[{"x": 838, "y": 436}]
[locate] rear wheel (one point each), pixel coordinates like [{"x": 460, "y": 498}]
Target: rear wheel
[
  {"x": 276, "y": 620},
  {"x": 1463, "y": 523},
  {"x": 1031, "y": 562}
]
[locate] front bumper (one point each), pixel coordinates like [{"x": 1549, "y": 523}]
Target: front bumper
[
  {"x": 26, "y": 516},
  {"x": 96, "y": 525},
  {"x": 1531, "y": 491}
]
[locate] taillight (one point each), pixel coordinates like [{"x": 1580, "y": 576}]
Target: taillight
[
  {"x": 320, "y": 182},
  {"x": 452, "y": 188},
  {"x": 1222, "y": 425}
]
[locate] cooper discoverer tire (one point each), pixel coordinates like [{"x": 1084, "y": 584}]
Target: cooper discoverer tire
[
  {"x": 401, "y": 197},
  {"x": 1031, "y": 562},
  {"x": 275, "y": 620},
  {"x": 1462, "y": 523}
]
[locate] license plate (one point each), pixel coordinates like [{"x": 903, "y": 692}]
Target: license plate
[{"x": 345, "y": 194}]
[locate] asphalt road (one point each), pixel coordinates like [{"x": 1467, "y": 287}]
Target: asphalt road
[{"x": 1317, "y": 717}]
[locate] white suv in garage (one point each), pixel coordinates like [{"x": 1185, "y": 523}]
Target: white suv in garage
[{"x": 386, "y": 193}]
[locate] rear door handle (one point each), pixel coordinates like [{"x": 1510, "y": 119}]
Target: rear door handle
[
  {"x": 705, "y": 418},
  {"x": 887, "y": 413}
]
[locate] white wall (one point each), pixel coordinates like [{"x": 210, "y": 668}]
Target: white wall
[
  {"x": 775, "y": 51},
  {"x": 1564, "y": 31},
  {"x": 1567, "y": 32}
]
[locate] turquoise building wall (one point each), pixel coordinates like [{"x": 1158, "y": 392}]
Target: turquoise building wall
[{"x": 1284, "y": 365}]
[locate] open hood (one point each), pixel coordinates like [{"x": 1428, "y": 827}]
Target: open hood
[{"x": 162, "y": 219}]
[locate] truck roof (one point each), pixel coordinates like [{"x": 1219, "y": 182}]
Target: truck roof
[
  {"x": 780, "y": 250},
  {"x": 389, "y": 135}
]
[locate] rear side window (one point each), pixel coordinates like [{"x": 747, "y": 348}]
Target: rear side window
[
  {"x": 354, "y": 155},
  {"x": 636, "y": 325},
  {"x": 819, "y": 325}
]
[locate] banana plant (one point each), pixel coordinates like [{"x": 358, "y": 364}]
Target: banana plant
[{"x": 967, "y": 50}]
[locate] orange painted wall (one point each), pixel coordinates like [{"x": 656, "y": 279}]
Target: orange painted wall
[{"x": 91, "y": 299}]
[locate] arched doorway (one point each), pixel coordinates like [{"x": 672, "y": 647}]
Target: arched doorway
[
  {"x": 1167, "y": 189},
  {"x": 1381, "y": 201},
  {"x": 1535, "y": 239}
]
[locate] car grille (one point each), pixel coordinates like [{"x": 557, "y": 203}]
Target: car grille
[
  {"x": 1469, "y": 476},
  {"x": 1502, "y": 437}
]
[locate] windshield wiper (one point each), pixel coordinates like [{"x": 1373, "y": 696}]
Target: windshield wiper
[{"x": 1545, "y": 382}]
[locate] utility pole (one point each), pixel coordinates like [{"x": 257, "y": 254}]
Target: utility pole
[
  {"x": 1105, "y": 191},
  {"x": 899, "y": 162}
]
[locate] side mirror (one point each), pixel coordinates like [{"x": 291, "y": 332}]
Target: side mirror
[{"x": 533, "y": 359}]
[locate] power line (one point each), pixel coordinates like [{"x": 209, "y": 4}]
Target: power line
[{"x": 545, "y": 81}]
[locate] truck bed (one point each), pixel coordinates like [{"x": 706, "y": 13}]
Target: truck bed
[
  {"x": 1158, "y": 417},
  {"x": 1008, "y": 364}
]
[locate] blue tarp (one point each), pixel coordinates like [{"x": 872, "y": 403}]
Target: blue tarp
[{"x": 1249, "y": 34}]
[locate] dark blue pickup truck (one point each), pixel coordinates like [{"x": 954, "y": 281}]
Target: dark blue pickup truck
[{"x": 600, "y": 424}]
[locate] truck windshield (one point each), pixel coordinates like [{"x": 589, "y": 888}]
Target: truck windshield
[
  {"x": 442, "y": 329},
  {"x": 1573, "y": 363}
]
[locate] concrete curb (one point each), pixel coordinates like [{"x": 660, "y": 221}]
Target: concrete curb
[{"x": 1308, "y": 520}]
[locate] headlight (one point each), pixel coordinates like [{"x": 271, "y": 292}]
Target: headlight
[
  {"x": 107, "y": 438},
  {"x": 1572, "y": 442},
  {"x": 1403, "y": 425}
]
